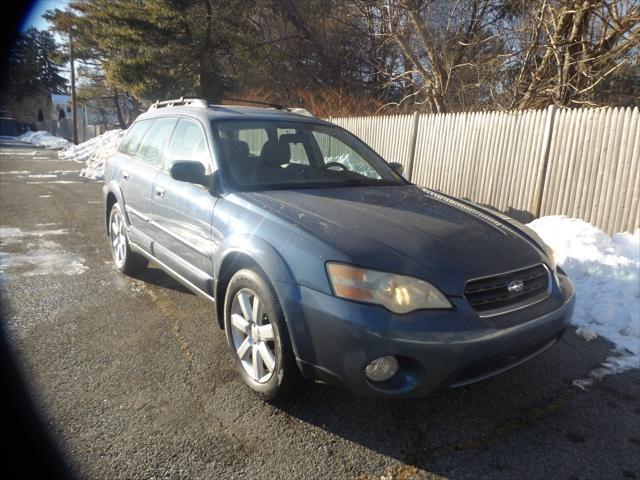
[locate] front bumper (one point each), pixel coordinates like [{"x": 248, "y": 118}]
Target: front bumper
[{"x": 335, "y": 339}]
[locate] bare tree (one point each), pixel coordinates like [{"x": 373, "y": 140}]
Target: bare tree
[
  {"x": 446, "y": 45},
  {"x": 472, "y": 54},
  {"x": 570, "y": 47}
]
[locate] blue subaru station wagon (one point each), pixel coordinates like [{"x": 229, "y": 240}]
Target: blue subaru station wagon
[{"x": 321, "y": 260}]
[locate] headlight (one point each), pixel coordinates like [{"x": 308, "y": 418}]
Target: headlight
[{"x": 397, "y": 293}]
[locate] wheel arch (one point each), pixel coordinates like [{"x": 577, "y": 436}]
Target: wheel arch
[
  {"x": 114, "y": 195},
  {"x": 257, "y": 254}
]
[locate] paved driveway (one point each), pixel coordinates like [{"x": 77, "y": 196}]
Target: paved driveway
[{"x": 134, "y": 379}]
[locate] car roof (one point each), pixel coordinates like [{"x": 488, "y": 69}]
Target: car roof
[{"x": 233, "y": 112}]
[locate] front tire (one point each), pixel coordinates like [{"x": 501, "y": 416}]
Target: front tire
[
  {"x": 125, "y": 260},
  {"x": 258, "y": 338}
]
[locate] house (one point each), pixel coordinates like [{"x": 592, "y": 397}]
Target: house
[{"x": 61, "y": 105}]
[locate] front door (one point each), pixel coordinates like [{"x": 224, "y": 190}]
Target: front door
[{"x": 182, "y": 212}]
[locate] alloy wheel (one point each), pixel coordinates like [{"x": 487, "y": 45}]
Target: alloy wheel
[
  {"x": 118, "y": 239},
  {"x": 252, "y": 335}
]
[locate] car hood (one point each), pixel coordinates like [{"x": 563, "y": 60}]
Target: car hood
[{"x": 406, "y": 229}]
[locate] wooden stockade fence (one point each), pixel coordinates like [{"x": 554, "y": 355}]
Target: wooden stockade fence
[{"x": 582, "y": 163}]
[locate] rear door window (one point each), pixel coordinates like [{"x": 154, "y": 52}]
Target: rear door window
[{"x": 152, "y": 149}]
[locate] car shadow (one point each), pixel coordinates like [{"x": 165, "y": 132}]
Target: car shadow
[
  {"x": 158, "y": 277},
  {"x": 425, "y": 433}
]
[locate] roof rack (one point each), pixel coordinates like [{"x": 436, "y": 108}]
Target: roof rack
[
  {"x": 199, "y": 102},
  {"x": 255, "y": 102},
  {"x": 180, "y": 102},
  {"x": 299, "y": 111}
]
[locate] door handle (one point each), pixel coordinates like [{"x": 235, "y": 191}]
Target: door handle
[
  {"x": 125, "y": 175},
  {"x": 160, "y": 192}
]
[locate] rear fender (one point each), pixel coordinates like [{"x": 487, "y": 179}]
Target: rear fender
[{"x": 113, "y": 188}]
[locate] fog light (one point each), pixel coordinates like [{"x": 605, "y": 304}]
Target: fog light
[{"x": 382, "y": 369}]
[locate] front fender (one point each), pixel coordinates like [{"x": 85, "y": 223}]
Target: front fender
[
  {"x": 260, "y": 251},
  {"x": 278, "y": 273}
]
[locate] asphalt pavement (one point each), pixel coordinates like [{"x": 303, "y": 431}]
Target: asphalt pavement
[{"x": 133, "y": 379}]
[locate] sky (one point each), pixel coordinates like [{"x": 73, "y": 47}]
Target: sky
[{"x": 34, "y": 18}]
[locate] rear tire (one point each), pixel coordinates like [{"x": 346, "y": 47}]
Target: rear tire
[
  {"x": 125, "y": 260},
  {"x": 258, "y": 337}
]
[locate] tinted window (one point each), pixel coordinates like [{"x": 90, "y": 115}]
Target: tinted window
[
  {"x": 152, "y": 149},
  {"x": 254, "y": 137},
  {"x": 298, "y": 153},
  {"x": 277, "y": 155},
  {"x": 133, "y": 138},
  {"x": 335, "y": 151},
  {"x": 189, "y": 143}
]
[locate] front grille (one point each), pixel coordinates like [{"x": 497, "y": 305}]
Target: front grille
[{"x": 491, "y": 295}]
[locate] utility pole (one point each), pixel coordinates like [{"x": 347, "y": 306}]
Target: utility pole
[{"x": 73, "y": 92}]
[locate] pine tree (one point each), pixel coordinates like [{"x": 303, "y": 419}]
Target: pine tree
[
  {"x": 32, "y": 74},
  {"x": 157, "y": 48}
]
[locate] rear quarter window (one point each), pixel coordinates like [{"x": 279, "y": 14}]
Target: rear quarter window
[{"x": 134, "y": 136}]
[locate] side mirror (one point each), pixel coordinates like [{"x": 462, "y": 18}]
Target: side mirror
[
  {"x": 397, "y": 167},
  {"x": 188, "y": 171}
]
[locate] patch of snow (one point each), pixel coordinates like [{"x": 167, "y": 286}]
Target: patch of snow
[
  {"x": 586, "y": 334},
  {"x": 44, "y": 139},
  {"x": 55, "y": 181},
  {"x": 42, "y": 261},
  {"x": 43, "y": 175},
  {"x": 15, "y": 235},
  {"x": 16, "y": 172},
  {"x": 94, "y": 153},
  {"x": 44, "y": 196},
  {"x": 606, "y": 274},
  {"x": 42, "y": 256},
  {"x": 20, "y": 154},
  {"x": 583, "y": 383}
]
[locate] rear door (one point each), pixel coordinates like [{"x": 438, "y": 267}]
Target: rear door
[
  {"x": 182, "y": 212},
  {"x": 139, "y": 177},
  {"x": 130, "y": 179}
]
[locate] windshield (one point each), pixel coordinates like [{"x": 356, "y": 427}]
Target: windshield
[{"x": 279, "y": 155}]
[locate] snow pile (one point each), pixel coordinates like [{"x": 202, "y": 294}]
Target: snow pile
[
  {"x": 94, "y": 153},
  {"x": 606, "y": 274},
  {"x": 44, "y": 139}
]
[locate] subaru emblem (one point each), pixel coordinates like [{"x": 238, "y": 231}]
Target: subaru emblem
[{"x": 515, "y": 287}]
